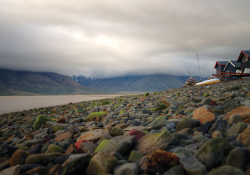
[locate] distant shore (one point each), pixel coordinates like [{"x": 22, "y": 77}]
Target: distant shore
[{"x": 20, "y": 103}]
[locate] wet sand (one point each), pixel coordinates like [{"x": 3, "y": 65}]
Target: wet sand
[{"x": 19, "y": 103}]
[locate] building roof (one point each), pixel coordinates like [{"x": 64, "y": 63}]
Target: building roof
[
  {"x": 243, "y": 52},
  {"x": 221, "y": 63},
  {"x": 235, "y": 64}
]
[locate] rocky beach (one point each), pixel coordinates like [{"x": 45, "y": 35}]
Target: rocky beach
[{"x": 186, "y": 131}]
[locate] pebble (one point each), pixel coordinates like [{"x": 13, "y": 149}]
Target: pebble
[
  {"x": 126, "y": 169},
  {"x": 205, "y": 128}
]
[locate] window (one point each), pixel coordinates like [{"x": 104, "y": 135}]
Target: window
[{"x": 244, "y": 59}]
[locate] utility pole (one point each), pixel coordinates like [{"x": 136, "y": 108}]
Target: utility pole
[{"x": 198, "y": 64}]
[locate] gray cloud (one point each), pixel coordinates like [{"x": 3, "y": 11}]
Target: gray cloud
[{"x": 113, "y": 38}]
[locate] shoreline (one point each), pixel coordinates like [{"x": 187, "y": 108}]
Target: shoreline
[{"x": 19, "y": 103}]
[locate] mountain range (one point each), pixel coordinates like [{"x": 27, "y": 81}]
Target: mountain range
[
  {"x": 144, "y": 83},
  {"x": 49, "y": 83},
  {"x": 34, "y": 83}
]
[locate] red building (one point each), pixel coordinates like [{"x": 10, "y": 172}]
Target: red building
[{"x": 219, "y": 66}]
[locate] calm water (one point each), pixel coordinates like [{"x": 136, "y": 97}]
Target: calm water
[{"x": 19, "y": 103}]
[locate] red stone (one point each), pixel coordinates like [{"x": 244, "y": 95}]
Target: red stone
[
  {"x": 46, "y": 140},
  {"x": 77, "y": 144},
  {"x": 212, "y": 103},
  {"x": 138, "y": 134}
]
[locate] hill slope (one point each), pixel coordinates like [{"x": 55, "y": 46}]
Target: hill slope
[
  {"x": 149, "y": 83},
  {"x": 30, "y": 83}
]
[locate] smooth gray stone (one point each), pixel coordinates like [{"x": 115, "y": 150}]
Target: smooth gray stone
[
  {"x": 177, "y": 170},
  {"x": 227, "y": 170},
  {"x": 219, "y": 125},
  {"x": 237, "y": 159},
  {"x": 126, "y": 169},
  {"x": 193, "y": 166}
]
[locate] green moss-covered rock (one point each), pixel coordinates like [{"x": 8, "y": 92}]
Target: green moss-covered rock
[
  {"x": 151, "y": 109},
  {"x": 77, "y": 166},
  {"x": 146, "y": 94},
  {"x": 46, "y": 110},
  {"x": 158, "y": 121},
  {"x": 153, "y": 142},
  {"x": 102, "y": 163},
  {"x": 161, "y": 107},
  {"x": 56, "y": 128},
  {"x": 213, "y": 152},
  {"x": 135, "y": 156},
  {"x": 206, "y": 94},
  {"x": 103, "y": 145},
  {"x": 40, "y": 120},
  {"x": 195, "y": 100},
  {"x": 11, "y": 115},
  {"x": 116, "y": 131},
  {"x": 79, "y": 110},
  {"x": 54, "y": 149},
  {"x": 108, "y": 146},
  {"x": 95, "y": 115},
  {"x": 46, "y": 145},
  {"x": 105, "y": 102},
  {"x": 121, "y": 112},
  {"x": 177, "y": 94}
]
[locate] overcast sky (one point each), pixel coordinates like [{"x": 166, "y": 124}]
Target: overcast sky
[{"x": 107, "y": 38}]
